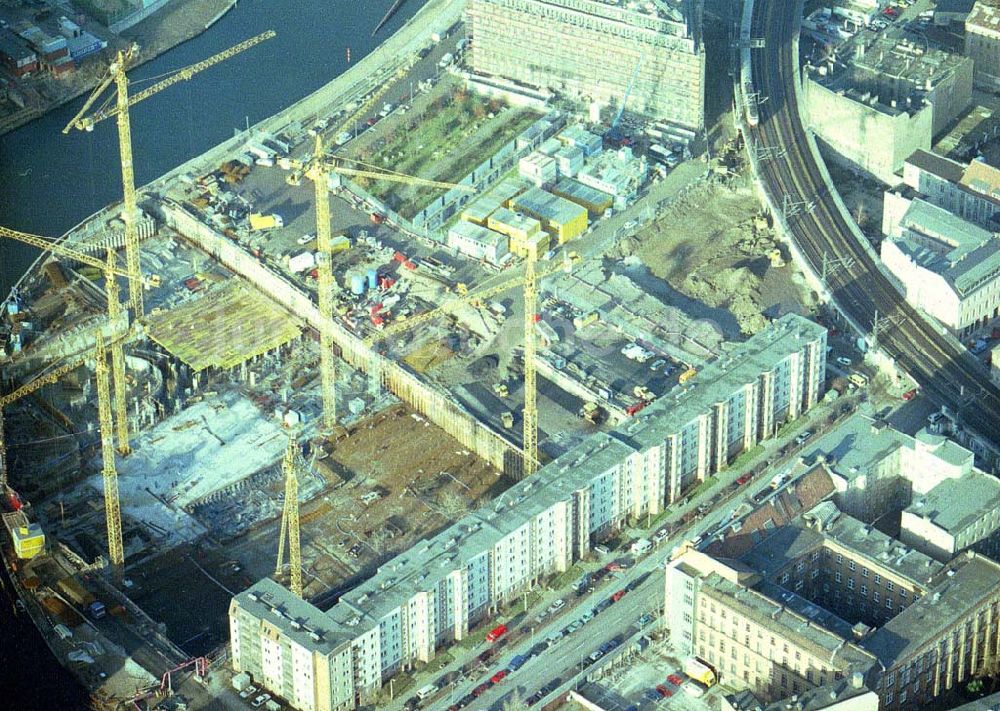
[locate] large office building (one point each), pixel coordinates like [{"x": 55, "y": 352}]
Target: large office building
[
  {"x": 828, "y": 597},
  {"x": 982, "y": 43},
  {"x": 595, "y": 50},
  {"x": 882, "y": 96},
  {"x": 941, "y": 244},
  {"x": 437, "y": 591}
]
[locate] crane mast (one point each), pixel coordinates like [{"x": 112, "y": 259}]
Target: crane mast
[
  {"x": 115, "y": 317},
  {"x": 530, "y": 444},
  {"x": 290, "y": 522},
  {"x": 112, "y": 505},
  {"x": 324, "y": 282},
  {"x": 130, "y": 206}
]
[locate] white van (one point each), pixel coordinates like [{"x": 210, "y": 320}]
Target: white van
[
  {"x": 426, "y": 692},
  {"x": 641, "y": 546}
]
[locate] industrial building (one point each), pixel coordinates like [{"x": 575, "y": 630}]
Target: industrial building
[
  {"x": 439, "y": 589},
  {"x": 20, "y": 59},
  {"x": 478, "y": 242},
  {"x": 617, "y": 173},
  {"x": 596, "y": 201},
  {"x": 773, "y": 630},
  {"x": 982, "y": 43},
  {"x": 880, "y": 97},
  {"x": 948, "y": 267},
  {"x": 595, "y": 52},
  {"x": 561, "y": 218},
  {"x": 524, "y": 232}
]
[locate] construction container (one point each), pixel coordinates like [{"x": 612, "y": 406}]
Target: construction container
[
  {"x": 357, "y": 284},
  {"x": 372, "y": 278},
  {"x": 340, "y": 243}
]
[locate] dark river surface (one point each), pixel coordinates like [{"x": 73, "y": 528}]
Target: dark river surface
[{"x": 49, "y": 182}]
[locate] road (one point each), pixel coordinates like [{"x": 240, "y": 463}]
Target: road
[
  {"x": 797, "y": 186},
  {"x": 562, "y": 660}
]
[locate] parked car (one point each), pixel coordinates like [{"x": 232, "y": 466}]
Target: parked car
[
  {"x": 499, "y": 676},
  {"x": 910, "y": 394},
  {"x": 846, "y": 362},
  {"x": 741, "y": 480},
  {"x": 663, "y": 691},
  {"x": 481, "y": 689},
  {"x": 675, "y": 679}
]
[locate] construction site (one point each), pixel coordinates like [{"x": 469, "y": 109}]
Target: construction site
[{"x": 333, "y": 336}]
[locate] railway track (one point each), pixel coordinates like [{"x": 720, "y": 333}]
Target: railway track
[{"x": 947, "y": 373}]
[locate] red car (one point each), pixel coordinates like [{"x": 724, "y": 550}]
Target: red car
[
  {"x": 741, "y": 480},
  {"x": 891, "y": 12},
  {"x": 910, "y": 394},
  {"x": 663, "y": 691},
  {"x": 481, "y": 689},
  {"x": 675, "y": 679},
  {"x": 618, "y": 596},
  {"x": 499, "y": 676}
]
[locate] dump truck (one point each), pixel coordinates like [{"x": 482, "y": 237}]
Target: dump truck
[
  {"x": 260, "y": 222},
  {"x": 507, "y": 419},
  {"x": 699, "y": 671}
]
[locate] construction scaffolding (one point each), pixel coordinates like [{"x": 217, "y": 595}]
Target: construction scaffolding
[
  {"x": 223, "y": 327},
  {"x": 437, "y": 406}
]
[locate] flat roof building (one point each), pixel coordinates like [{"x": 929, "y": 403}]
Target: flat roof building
[
  {"x": 478, "y": 242},
  {"x": 882, "y": 96},
  {"x": 563, "y": 219},
  {"x": 440, "y": 588},
  {"x": 596, "y": 201},
  {"x": 596, "y": 50}
]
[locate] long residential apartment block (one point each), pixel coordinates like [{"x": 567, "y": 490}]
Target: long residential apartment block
[
  {"x": 598, "y": 51},
  {"x": 437, "y": 591}
]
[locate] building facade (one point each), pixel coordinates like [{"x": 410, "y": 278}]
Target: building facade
[
  {"x": 437, "y": 591},
  {"x": 982, "y": 43},
  {"x": 946, "y": 266},
  {"x": 594, "y": 51}
]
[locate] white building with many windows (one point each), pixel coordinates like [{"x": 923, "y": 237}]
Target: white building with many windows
[{"x": 435, "y": 592}]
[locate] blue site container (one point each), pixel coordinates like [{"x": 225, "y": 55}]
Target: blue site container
[
  {"x": 372, "y": 278},
  {"x": 357, "y": 284}
]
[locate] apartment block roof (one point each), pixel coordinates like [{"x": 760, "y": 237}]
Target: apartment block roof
[
  {"x": 867, "y": 543},
  {"x": 826, "y": 526},
  {"x": 833, "y": 695},
  {"x": 855, "y": 447},
  {"x": 944, "y": 168},
  {"x": 297, "y": 619},
  {"x": 719, "y": 380},
  {"x": 984, "y": 18},
  {"x": 955, "y": 504},
  {"x": 964, "y": 585}
]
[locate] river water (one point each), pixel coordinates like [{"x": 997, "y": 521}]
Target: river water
[{"x": 49, "y": 182}]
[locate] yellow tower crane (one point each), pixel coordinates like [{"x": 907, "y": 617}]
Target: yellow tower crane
[
  {"x": 529, "y": 282},
  {"x": 530, "y": 414},
  {"x": 130, "y": 207},
  {"x": 318, "y": 170},
  {"x": 116, "y": 318},
  {"x": 112, "y": 505},
  {"x": 290, "y": 521},
  {"x": 104, "y": 407}
]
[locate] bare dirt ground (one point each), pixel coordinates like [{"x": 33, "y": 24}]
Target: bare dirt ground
[
  {"x": 178, "y": 22},
  {"x": 713, "y": 245}
]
